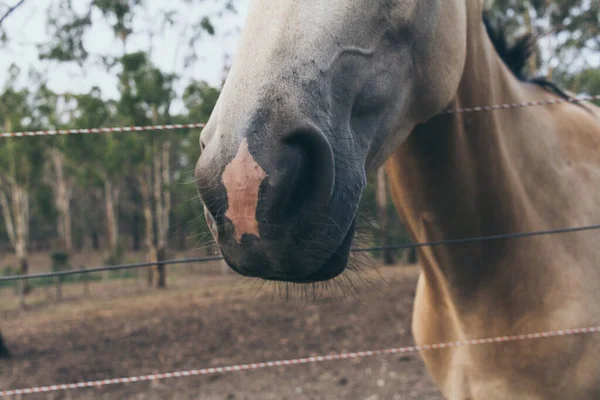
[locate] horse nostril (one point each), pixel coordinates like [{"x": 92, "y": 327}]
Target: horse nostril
[{"x": 314, "y": 179}]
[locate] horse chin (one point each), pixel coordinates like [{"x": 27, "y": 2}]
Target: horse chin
[{"x": 333, "y": 267}]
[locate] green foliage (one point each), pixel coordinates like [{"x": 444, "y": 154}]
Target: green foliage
[
  {"x": 368, "y": 223},
  {"x": 587, "y": 81},
  {"x": 21, "y": 160},
  {"x": 121, "y": 12},
  {"x": 49, "y": 282},
  {"x": 146, "y": 92},
  {"x": 43, "y": 202},
  {"x": 9, "y": 270},
  {"x": 571, "y": 26},
  {"x": 60, "y": 263},
  {"x": 124, "y": 274},
  {"x": 68, "y": 23},
  {"x": 67, "y": 32},
  {"x": 117, "y": 256},
  {"x": 200, "y": 99}
]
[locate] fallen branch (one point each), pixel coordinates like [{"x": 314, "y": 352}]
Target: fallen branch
[{"x": 11, "y": 10}]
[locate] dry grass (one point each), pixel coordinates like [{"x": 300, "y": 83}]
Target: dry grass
[{"x": 207, "y": 319}]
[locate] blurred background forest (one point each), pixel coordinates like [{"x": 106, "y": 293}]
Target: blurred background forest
[{"x": 131, "y": 197}]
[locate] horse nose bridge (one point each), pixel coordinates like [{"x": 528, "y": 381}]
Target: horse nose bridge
[{"x": 273, "y": 92}]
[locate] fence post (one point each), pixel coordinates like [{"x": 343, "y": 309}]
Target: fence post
[
  {"x": 86, "y": 282},
  {"x": 161, "y": 269},
  {"x": 4, "y": 353},
  {"x": 60, "y": 262},
  {"x": 58, "y": 285},
  {"x": 382, "y": 208}
]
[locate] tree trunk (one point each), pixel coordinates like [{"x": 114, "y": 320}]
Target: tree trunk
[
  {"x": 83, "y": 224},
  {"x": 16, "y": 218},
  {"x": 161, "y": 269},
  {"x": 182, "y": 236},
  {"x": 162, "y": 204},
  {"x": 95, "y": 240},
  {"x": 144, "y": 182},
  {"x": 163, "y": 239},
  {"x": 533, "y": 64},
  {"x": 62, "y": 198},
  {"x": 111, "y": 199},
  {"x": 58, "y": 286},
  {"x": 86, "y": 284},
  {"x": 382, "y": 208},
  {"x": 161, "y": 171},
  {"x": 135, "y": 231},
  {"x": 24, "y": 287},
  {"x": 4, "y": 353}
]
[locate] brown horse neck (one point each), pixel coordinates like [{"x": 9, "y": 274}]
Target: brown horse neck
[{"x": 456, "y": 176}]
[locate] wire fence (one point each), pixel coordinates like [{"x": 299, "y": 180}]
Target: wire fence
[
  {"x": 536, "y": 103},
  {"x": 316, "y": 359},
  {"x": 363, "y": 250},
  {"x": 299, "y": 361},
  {"x": 151, "y": 128},
  {"x": 121, "y": 267},
  {"x": 118, "y": 129}
]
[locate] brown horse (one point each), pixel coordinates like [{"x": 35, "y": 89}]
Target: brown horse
[{"x": 322, "y": 92}]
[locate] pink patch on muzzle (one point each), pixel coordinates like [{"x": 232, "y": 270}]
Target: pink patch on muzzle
[{"x": 242, "y": 179}]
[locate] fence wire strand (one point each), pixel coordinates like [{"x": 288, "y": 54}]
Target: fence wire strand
[
  {"x": 511, "y": 106},
  {"x": 118, "y": 129},
  {"x": 365, "y": 250},
  {"x": 298, "y": 361},
  {"x": 150, "y": 128}
]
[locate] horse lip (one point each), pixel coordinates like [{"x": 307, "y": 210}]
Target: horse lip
[{"x": 332, "y": 268}]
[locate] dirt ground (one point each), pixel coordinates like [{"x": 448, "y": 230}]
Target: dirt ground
[{"x": 125, "y": 329}]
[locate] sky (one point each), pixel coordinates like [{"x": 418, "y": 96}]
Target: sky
[{"x": 27, "y": 27}]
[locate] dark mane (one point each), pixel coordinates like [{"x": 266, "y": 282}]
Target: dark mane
[{"x": 516, "y": 55}]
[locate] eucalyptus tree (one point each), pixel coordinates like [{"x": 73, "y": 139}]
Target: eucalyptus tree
[
  {"x": 102, "y": 159},
  {"x": 199, "y": 99},
  {"x": 6, "y": 12},
  {"x": 48, "y": 108},
  {"x": 146, "y": 97},
  {"x": 569, "y": 32},
  {"x": 21, "y": 163}
]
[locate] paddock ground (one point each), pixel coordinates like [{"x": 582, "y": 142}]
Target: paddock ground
[{"x": 214, "y": 319}]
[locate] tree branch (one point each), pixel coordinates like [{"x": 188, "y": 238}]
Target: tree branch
[{"x": 11, "y": 10}]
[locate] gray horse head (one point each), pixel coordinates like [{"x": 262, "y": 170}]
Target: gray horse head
[{"x": 320, "y": 93}]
